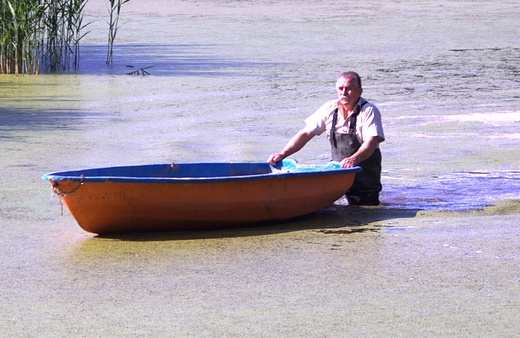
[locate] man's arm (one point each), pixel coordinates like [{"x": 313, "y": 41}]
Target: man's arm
[
  {"x": 295, "y": 144},
  {"x": 365, "y": 151}
]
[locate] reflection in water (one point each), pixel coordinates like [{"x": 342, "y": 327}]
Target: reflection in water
[{"x": 336, "y": 219}]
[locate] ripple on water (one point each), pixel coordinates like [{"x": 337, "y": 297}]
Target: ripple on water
[{"x": 457, "y": 191}]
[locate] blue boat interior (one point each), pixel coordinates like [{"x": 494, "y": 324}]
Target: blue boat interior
[{"x": 191, "y": 171}]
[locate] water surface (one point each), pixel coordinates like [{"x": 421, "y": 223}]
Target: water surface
[{"x": 233, "y": 81}]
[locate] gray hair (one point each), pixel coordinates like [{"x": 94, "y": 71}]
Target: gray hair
[{"x": 353, "y": 75}]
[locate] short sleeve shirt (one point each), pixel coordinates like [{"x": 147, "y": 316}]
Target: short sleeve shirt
[{"x": 368, "y": 122}]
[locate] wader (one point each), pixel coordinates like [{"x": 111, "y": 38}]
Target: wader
[{"x": 367, "y": 184}]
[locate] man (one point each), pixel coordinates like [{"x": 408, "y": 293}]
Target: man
[{"x": 354, "y": 129}]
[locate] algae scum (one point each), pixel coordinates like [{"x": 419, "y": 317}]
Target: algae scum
[{"x": 233, "y": 81}]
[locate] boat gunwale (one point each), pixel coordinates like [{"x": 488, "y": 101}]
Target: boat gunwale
[{"x": 278, "y": 171}]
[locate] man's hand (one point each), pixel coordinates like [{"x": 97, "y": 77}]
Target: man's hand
[
  {"x": 364, "y": 152},
  {"x": 349, "y": 162},
  {"x": 275, "y": 158}
]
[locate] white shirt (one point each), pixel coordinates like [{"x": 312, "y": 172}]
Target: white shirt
[{"x": 368, "y": 121}]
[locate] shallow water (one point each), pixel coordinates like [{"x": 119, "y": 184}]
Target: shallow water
[
  {"x": 426, "y": 65},
  {"x": 233, "y": 81}
]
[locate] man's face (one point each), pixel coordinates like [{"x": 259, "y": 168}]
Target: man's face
[{"x": 348, "y": 92}]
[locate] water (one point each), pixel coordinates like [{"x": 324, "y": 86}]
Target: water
[
  {"x": 457, "y": 191},
  {"x": 233, "y": 81},
  {"x": 251, "y": 76},
  {"x": 251, "y": 73}
]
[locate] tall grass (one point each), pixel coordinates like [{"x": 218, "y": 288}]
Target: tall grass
[
  {"x": 40, "y": 33},
  {"x": 113, "y": 25}
]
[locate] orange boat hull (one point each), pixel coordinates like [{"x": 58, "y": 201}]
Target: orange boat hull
[{"x": 110, "y": 207}]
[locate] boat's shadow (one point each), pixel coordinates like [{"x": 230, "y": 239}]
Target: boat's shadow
[{"x": 341, "y": 219}]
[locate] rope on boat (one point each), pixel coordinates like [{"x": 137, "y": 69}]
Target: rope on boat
[{"x": 60, "y": 192}]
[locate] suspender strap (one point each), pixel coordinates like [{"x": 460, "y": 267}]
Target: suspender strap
[
  {"x": 332, "y": 130},
  {"x": 352, "y": 127}
]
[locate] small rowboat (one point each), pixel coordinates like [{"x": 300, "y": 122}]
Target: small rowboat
[{"x": 195, "y": 196}]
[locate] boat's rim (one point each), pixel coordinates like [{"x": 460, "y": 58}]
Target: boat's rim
[{"x": 281, "y": 170}]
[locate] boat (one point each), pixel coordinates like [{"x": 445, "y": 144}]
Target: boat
[{"x": 197, "y": 196}]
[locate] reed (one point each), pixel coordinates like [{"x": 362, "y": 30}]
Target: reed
[
  {"x": 114, "y": 12},
  {"x": 40, "y": 33}
]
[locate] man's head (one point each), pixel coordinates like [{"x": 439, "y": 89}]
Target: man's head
[{"x": 349, "y": 89}]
